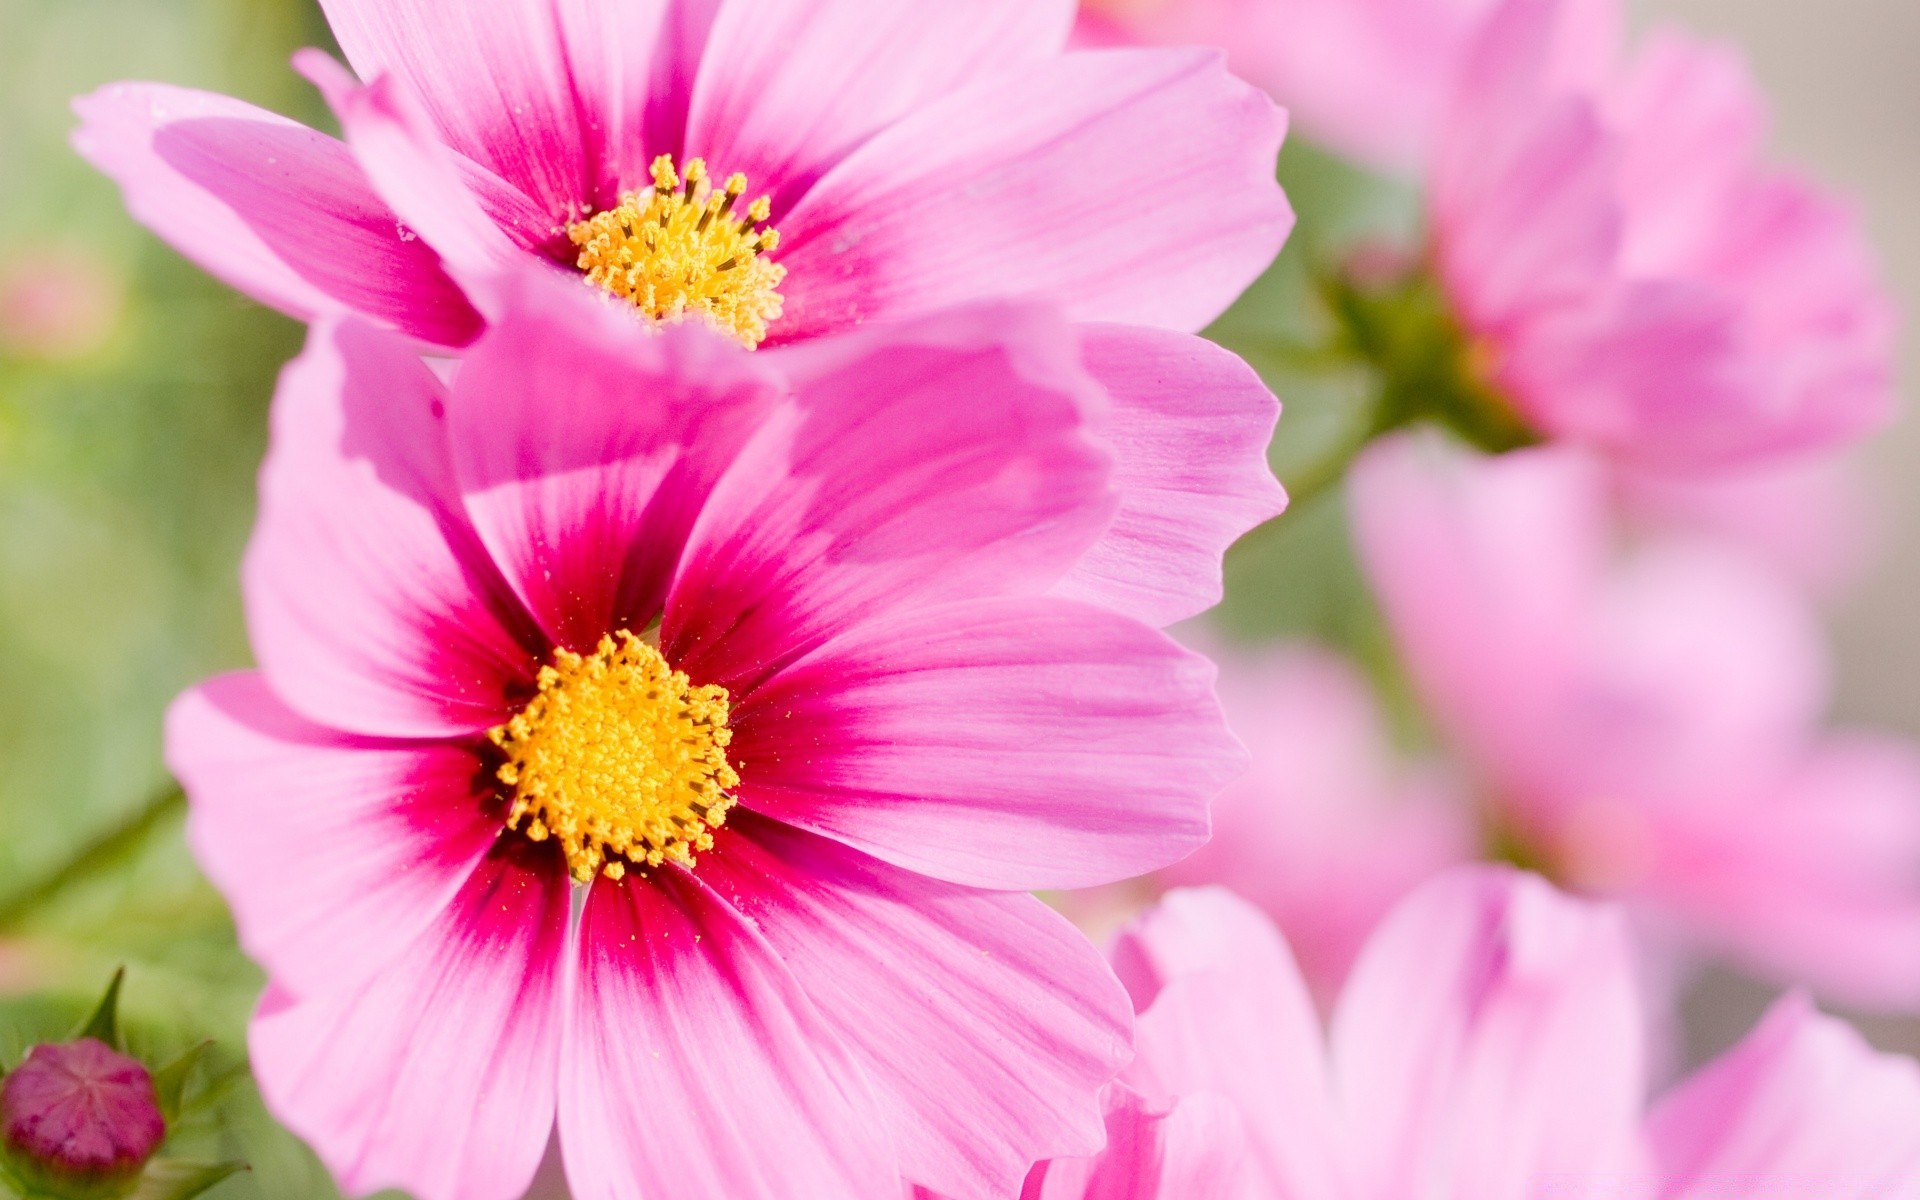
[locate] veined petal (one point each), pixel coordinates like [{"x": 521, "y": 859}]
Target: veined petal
[
  {"x": 1012, "y": 744},
  {"x": 436, "y": 1075},
  {"x": 585, "y": 448},
  {"x": 335, "y": 852},
  {"x": 917, "y": 465},
  {"x": 697, "y": 1068},
  {"x": 789, "y": 87},
  {"x": 500, "y": 91},
  {"x": 372, "y": 605},
  {"x": 985, "y": 1021},
  {"x": 1034, "y": 180},
  {"x": 1189, "y": 429},
  {"x": 275, "y": 209}
]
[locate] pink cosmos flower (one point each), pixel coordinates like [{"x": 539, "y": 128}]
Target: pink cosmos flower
[
  {"x": 1644, "y": 720},
  {"x": 782, "y": 169},
  {"x": 775, "y": 653},
  {"x": 1626, "y": 271},
  {"x": 1369, "y": 78},
  {"x": 1489, "y": 1047},
  {"x": 1330, "y": 828}
]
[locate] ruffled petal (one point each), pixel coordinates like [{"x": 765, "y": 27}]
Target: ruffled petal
[
  {"x": 789, "y": 87},
  {"x": 1013, "y": 744},
  {"x": 372, "y": 605},
  {"x": 1489, "y": 1044},
  {"x": 587, "y": 515},
  {"x": 1193, "y": 1151},
  {"x": 273, "y": 208},
  {"x": 500, "y": 91},
  {"x": 986, "y": 1022},
  {"x": 1225, "y": 1012},
  {"x": 480, "y": 225},
  {"x": 334, "y": 852},
  {"x": 1035, "y": 179},
  {"x": 437, "y": 1074},
  {"x": 697, "y": 1068},
  {"x": 920, "y": 464},
  {"x": 1801, "y": 1107},
  {"x": 1189, "y": 431}
]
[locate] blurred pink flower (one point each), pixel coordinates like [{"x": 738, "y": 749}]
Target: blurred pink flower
[
  {"x": 1488, "y": 1047},
  {"x": 768, "y": 651},
  {"x": 1328, "y": 830},
  {"x": 1369, "y": 78},
  {"x": 58, "y": 304},
  {"x": 1628, "y": 273},
  {"x": 1816, "y": 520},
  {"x": 1644, "y": 721},
  {"x": 914, "y": 154}
]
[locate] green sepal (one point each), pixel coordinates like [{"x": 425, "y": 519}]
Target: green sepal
[
  {"x": 178, "y": 1179},
  {"x": 170, "y": 1082},
  {"x": 104, "y": 1024}
]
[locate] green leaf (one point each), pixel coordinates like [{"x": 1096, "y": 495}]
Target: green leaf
[
  {"x": 104, "y": 1024},
  {"x": 177, "y": 1179},
  {"x": 170, "y": 1081}
]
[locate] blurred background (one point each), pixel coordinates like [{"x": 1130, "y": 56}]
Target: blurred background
[{"x": 133, "y": 392}]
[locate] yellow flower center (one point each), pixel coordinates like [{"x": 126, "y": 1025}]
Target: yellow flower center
[
  {"x": 620, "y": 758},
  {"x": 679, "y": 249}
]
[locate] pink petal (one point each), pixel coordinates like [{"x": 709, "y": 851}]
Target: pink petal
[
  {"x": 1801, "y": 1107},
  {"x": 697, "y": 1067},
  {"x": 789, "y": 87},
  {"x": 334, "y": 852},
  {"x": 1812, "y": 875},
  {"x": 500, "y": 91},
  {"x": 587, "y": 515},
  {"x": 986, "y": 1022},
  {"x": 1190, "y": 1152},
  {"x": 480, "y": 225},
  {"x": 1035, "y": 178},
  {"x": 916, "y": 465},
  {"x": 437, "y": 1074},
  {"x": 273, "y": 208},
  {"x": 372, "y": 605},
  {"x": 1011, "y": 744},
  {"x": 1189, "y": 432},
  {"x": 1489, "y": 1044},
  {"x": 1224, "y": 1011}
]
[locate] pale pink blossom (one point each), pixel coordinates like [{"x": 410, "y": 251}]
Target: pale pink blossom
[
  {"x": 1644, "y": 718},
  {"x": 1369, "y": 78},
  {"x": 778, "y": 655},
  {"x": 58, "y": 303},
  {"x": 1331, "y": 826},
  {"x": 914, "y": 154},
  {"x": 1628, "y": 272},
  {"x": 1817, "y": 520},
  {"x": 1488, "y": 1046}
]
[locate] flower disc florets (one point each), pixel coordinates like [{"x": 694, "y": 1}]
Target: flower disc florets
[
  {"x": 620, "y": 758},
  {"x": 678, "y": 249}
]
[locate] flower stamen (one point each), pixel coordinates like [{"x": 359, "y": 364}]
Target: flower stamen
[
  {"x": 677, "y": 249},
  {"x": 619, "y": 758}
]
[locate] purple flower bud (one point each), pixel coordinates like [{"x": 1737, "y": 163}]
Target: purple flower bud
[{"x": 80, "y": 1114}]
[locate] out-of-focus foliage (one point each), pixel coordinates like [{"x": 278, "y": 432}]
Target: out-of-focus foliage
[{"x": 130, "y": 430}]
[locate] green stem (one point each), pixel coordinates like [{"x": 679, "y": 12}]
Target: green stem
[{"x": 103, "y": 850}]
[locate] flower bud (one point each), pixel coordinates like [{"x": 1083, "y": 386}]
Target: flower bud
[{"x": 80, "y": 1120}]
